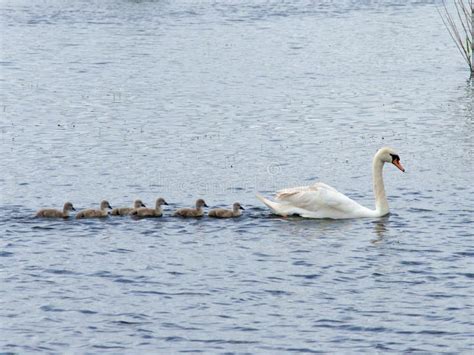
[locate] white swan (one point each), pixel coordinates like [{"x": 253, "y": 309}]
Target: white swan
[{"x": 323, "y": 201}]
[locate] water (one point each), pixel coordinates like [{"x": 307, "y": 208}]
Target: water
[{"x": 222, "y": 99}]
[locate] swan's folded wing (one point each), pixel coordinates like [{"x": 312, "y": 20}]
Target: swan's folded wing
[
  {"x": 294, "y": 190},
  {"x": 323, "y": 185},
  {"x": 315, "y": 197},
  {"x": 283, "y": 193}
]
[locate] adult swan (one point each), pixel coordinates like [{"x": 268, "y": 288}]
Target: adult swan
[{"x": 323, "y": 201}]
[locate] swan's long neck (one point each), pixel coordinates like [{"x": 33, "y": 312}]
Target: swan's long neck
[
  {"x": 381, "y": 203},
  {"x": 158, "y": 208}
]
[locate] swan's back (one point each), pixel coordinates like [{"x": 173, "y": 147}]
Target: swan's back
[
  {"x": 221, "y": 213},
  {"x": 50, "y": 213},
  {"x": 146, "y": 212},
  {"x": 320, "y": 201},
  {"x": 189, "y": 212},
  {"x": 91, "y": 213}
]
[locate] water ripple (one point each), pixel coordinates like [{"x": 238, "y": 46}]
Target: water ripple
[{"x": 220, "y": 100}]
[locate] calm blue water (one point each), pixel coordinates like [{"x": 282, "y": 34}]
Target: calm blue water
[{"x": 220, "y": 100}]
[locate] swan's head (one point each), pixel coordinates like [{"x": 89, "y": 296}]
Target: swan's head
[
  {"x": 68, "y": 207},
  {"x": 104, "y": 205},
  {"x": 236, "y": 206},
  {"x": 161, "y": 201},
  {"x": 138, "y": 204},
  {"x": 200, "y": 203},
  {"x": 388, "y": 155}
]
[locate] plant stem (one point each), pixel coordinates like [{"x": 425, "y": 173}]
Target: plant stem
[
  {"x": 460, "y": 27},
  {"x": 472, "y": 38}
]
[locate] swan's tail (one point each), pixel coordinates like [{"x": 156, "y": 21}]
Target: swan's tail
[{"x": 274, "y": 206}]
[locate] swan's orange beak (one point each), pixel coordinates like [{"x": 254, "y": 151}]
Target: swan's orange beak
[{"x": 398, "y": 165}]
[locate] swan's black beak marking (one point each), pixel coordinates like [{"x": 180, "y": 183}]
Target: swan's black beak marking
[{"x": 396, "y": 162}]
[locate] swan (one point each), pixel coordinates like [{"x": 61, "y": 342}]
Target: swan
[
  {"x": 323, "y": 201},
  {"x": 91, "y": 213},
  {"x": 124, "y": 211},
  {"x": 224, "y": 213},
  {"x": 52, "y": 213},
  {"x": 150, "y": 212},
  {"x": 192, "y": 212}
]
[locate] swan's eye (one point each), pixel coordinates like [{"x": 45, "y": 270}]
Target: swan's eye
[{"x": 395, "y": 157}]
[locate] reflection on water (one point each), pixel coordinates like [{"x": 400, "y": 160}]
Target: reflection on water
[
  {"x": 121, "y": 100},
  {"x": 380, "y": 228}
]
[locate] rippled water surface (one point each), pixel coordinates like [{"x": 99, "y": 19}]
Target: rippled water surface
[{"x": 220, "y": 100}]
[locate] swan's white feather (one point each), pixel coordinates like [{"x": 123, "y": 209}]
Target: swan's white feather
[
  {"x": 323, "y": 201},
  {"x": 319, "y": 201},
  {"x": 315, "y": 201}
]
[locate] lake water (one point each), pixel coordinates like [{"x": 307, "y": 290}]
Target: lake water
[{"x": 222, "y": 99}]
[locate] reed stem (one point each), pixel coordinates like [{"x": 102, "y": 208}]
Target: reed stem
[{"x": 460, "y": 26}]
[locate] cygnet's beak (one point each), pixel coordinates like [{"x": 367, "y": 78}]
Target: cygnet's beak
[
  {"x": 73, "y": 209},
  {"x": 205, "y": 205},
  {"x": 242, "y": 208},
  {"x": 398, "y": 165},
  {"x": 143, "y": 205},
  {"x": 165, "y": 203}
]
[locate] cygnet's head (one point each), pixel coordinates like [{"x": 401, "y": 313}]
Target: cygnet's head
[
  {"x": 161, "y": 201},
  {"x": 105, "y": 204},
  {"x": 68, "y": 207},
  {"x": 138, "y": 204},
  {"x": 237, "y": 206},
  {"x": 200, "y": 203}
]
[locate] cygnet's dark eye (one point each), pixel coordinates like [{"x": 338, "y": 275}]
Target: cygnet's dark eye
[{"x": 395, "y": 157}]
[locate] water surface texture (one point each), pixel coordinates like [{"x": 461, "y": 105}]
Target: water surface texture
[{"x": 183, "y": 99}]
